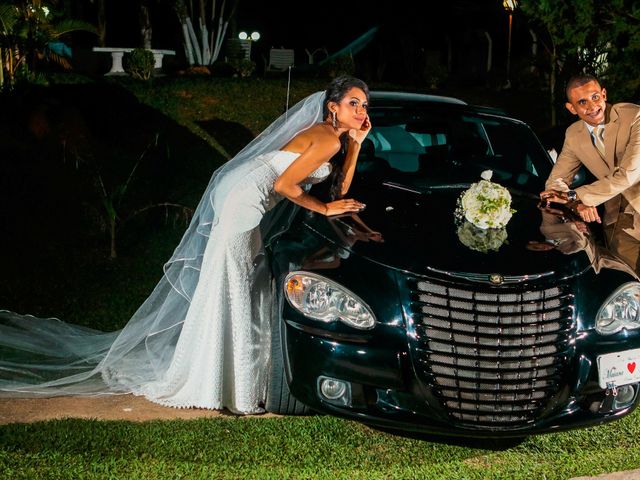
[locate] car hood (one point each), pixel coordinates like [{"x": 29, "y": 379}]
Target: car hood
[{"x": 416, "y": 231}]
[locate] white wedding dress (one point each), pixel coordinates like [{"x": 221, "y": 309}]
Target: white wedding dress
[
  {"x": 222, "y": 355},
  {"x": 217, "y": 356},
  {"x": 202, "y": 337}
]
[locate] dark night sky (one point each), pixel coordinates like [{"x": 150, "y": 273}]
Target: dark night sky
[{"x": 332, "y": 25}]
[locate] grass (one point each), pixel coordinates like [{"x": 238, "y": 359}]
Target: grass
[
  {"x": 56, "y": 260},
  {"x": 212, "y": 107},
  {"x": 302, "y": 447}
]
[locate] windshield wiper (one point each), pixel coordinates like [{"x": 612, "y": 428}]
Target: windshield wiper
[
  {"x": 399, "y": 186},
  {"x": 422, "y": 189},
  {"x": 448, "y": 186}
]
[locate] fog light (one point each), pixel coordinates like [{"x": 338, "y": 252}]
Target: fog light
[
  {"x": 626, "y": 394},
  {"x": 334, "y": 391}
]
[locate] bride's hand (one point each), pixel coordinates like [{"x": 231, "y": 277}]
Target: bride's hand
[
  {"x": 344, "y": 206},
  {"x": 359, "y": 135}
]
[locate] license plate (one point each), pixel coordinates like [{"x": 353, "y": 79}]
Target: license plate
[{"x": 619, "y": 368}]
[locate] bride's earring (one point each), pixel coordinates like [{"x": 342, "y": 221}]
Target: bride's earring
[{"x": 334, "y": 119}]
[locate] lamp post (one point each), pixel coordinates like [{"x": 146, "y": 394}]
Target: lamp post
[
  {"x": 509, "y": 6},
  {"x": 245, "y": 41}
]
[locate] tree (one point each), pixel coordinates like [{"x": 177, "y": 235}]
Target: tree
[
  {"x": 622, "y": 72},
  {"x": 203, "y": 43},
  {"x": 145, "y": 23},
  {"x": 10, "y": 59},
  {"x": 29, "y": 32},
  {"x": 573, "y": 38},
  {"x": 113, "y": 204}
]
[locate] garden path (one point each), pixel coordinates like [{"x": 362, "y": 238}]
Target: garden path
[{"x": 110, "y": 407}]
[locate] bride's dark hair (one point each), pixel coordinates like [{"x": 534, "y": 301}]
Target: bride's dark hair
[
  {"x": 335, "y": 92},
  {"x": 338, "y": 88}
]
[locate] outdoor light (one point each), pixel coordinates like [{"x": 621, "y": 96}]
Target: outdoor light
[
  {"x": 509, "y": 6},
  {"x": 246, "y": 40},
  {"x": 245, "y": 36}
]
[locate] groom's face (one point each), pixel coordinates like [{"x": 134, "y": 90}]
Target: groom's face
[{"x": 589, "y": 102}]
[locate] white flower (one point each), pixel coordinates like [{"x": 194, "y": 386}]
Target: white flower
[
  {"x": 486, "y": 175},
  {"x": 485, "y": 204}
]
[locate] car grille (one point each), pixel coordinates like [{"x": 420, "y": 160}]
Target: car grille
[{"x": 494, "y": 355}]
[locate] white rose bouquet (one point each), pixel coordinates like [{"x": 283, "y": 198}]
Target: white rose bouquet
[
  {"x": 485, "y": 204},
  {"x": 482, "y": 213}
]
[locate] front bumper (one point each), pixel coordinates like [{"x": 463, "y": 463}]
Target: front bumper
[{"x": 386, "y": 391}]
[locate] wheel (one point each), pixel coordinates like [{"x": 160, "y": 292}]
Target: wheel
[{"x": 279, "y": 398}]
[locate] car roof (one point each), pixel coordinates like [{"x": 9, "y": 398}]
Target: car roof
[
  {"x": 381, "y": 96},
  {"x": 388, "y": 99}
]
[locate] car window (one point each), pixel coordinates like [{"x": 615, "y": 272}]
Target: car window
[{"x": 431, "y": 148}]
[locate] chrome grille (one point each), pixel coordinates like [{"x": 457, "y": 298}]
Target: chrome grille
[{"x": 493, "y": 355}]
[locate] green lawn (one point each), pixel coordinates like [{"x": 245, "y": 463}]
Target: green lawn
[
  {"x": 59, "y": 267},
  {"x": 302, "y": 447}
]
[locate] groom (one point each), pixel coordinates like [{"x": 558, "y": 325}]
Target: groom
[{"x": 606, "y": 140}]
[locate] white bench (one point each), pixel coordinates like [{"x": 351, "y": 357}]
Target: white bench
[{"x": 118, "y": 53}]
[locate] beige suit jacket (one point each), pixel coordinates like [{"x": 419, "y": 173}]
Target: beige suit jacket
[{"x": 617, "y": 174}]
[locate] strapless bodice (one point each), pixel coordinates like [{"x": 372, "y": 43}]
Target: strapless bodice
[{"x": 280, "y": 160}]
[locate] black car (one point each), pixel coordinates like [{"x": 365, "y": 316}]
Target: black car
[{"x": 404, "y": 316}]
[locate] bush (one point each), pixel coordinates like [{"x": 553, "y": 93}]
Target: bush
[
  {"x": 244, "y": 67},
  {"x": 139, "y": 63},
  {"x": 222, "y": 69}
]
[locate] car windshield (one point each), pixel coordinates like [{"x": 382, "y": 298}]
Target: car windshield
[{"x": 435, "y": 148}]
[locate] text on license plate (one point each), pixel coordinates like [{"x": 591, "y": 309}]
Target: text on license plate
[{"x": 620, "y": 368}]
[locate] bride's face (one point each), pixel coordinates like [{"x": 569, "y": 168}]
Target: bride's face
[{"x": 352, "y": 109}]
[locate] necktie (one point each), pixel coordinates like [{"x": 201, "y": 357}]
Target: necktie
[{"x": 598, "y": 138}]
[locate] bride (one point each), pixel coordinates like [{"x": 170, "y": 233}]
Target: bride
[{"x": 201, "y": 339}]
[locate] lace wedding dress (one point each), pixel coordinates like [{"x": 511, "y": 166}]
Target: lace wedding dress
[
  {"x": 202, "y": 338},
  {"x": 223, "y": 349}
]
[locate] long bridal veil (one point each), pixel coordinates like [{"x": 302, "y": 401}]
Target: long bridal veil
[{"x": 45, "y": 356}]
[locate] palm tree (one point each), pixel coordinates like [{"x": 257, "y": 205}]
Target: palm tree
[
  {"x": 28, "y": 31},
  {"x": 10, "y": 59}
]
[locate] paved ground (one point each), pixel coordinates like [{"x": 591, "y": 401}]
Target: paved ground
[
  {"x": 628, "y": 475},
  {"x": 111, "y": 407}
]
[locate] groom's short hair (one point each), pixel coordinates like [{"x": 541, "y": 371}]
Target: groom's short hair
[{"x": 578, "y": 81}]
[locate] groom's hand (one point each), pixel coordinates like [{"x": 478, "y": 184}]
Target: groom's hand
[
  {"x": 555, "y": 196},
  {"x": 587, "y": 213}
]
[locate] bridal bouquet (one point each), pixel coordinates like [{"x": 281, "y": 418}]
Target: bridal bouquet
[
  {"x": 485, "y": 204},
  {"x": 482, "y": 213}
]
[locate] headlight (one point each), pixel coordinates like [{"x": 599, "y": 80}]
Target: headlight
[
  {"x": 620, "y": 310},
  {"x": 322, "y": 299}
]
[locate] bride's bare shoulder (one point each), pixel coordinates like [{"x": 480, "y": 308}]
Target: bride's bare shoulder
[
  {"x": 323, "y": 134},
  {"x": 317, "y": 135}
]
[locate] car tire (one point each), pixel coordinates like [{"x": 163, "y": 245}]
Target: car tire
[{"x": 279, "y": 399}]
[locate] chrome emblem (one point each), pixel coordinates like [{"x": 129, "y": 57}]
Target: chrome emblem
[{"x": 499, "y": 279}]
